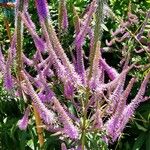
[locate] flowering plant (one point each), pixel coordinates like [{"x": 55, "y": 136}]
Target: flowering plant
[{"x": 91, "y": 112}]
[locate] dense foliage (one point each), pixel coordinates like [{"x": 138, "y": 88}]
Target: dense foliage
[{"x": 70, "y": 89}]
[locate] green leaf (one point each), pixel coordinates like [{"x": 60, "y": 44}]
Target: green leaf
[
  {"x": 140, "y": 127},
  {"x": 104, "y": 27},
  {"x": 30, "y": 144},
  {"x": 148, "y": 141},
  {"x": 139, "y": 141},
  {"x": 148, "y": 1}
]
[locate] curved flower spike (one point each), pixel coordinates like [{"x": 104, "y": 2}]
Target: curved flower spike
[
  {"x": 63, "y": 19},
  {"x": 23, "y": 123},
  {"x": 112, "y": 73},
  {"x": 46, "y": 115},
  {"x": 68, "y": 90},
  {"x": 69, "y": 128},
  {"x": 42, "y": 9},
  {"x": 39, "y": 43},
  {"x": 63, "y": 146},
  {"x": 84, "y": 29},
  {"x": 116, "y": 124},
  {"x": 8, "y": 80}
]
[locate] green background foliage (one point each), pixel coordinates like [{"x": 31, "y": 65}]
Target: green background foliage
[{"x": 137, "y": 133}]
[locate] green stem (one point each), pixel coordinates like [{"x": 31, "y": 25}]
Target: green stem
[
  {"x": 97, "y": 37},
  {"x": 6, "y": 22},
  {"x": 19, "y": 67},
  {"x": 97, "y": 32},
  {"x": 19, "y": 31},
  {"x": 38, "y": 122},
  {"x": 84, "y": 110}
]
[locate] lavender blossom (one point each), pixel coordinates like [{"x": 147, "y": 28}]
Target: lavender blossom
[
  {"x": 27, "y": 61},
  {"x": 116, "y": 123},
  {"x": 110, "y": 43},
  {"x": 47, "y": 71},
  {"x": 112, "y": 73},
  {"x": 44, "y": 62},
  {"x": 98, "y": 106},
  {"x": 2, "y": 62},
  {"x": 45, "y": 114},
  {"x": 8, "y": 80},
  {"x": 53, "y": 43},
  {"x": 37, "y": 57},
  {"x": 69, "y": 128},
  {"x": 115, "y": 96},
  {"x": 129, "y": 87},
  {"x": 83, "y": 31},
  {"x": 68, "y": 90},
  {"x": 79, "y": 51},
  {"x": 63, "y": 19},
  {"x": 45, "y": 96},
  {"x": 36, "y": 81},
  {"x": 125, "y": 36},
  {"x": 39, "y": 43},
  {"x": 23, "y": 123},
  {"x": 120, "y": 30},
  {"x": 30, "y": 22},
  {"x": 122, "y": 102},
  {"x": 65, "y": 61},
  {"x": 42, "y": 9},
  {"x": 111, "y": 85},
  {"x": 132, "y": 18},
  {"x": 97, "y": 70},
  {"x": 63, "y": 146}
]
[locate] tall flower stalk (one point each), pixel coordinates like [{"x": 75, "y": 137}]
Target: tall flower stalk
[
  {"x": 21, "y": 6},
  {"x": 62, "y": 15},
  {"x": 96, "y": 45},
  {"x": 19, "y": 37},
  {"x": 98, "y": 108}
]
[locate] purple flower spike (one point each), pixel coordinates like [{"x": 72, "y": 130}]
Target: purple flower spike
[
  {"x": 115, "y": 97},
  {"x": 46, "y": 94},
  {"x": 132, "y": 18},
  {"x": 120, "y": 30},
  {"x": 46, "y": 114},
  {"x": 124, "y": 37},
  {"x": 63, "y": 12},
  {"x": 68, "y": 90},
  {"x": 69, "y": 128},
  {"x": 84, "y": 29},
  {"x": 143, "y": 26},
  {"x": 2, "y": 62},
  {"x": 71, "y": 131},
  {"x": 39, "y": 43},
  {"x": 28, "y": 18},
  {"x": 116, "y": 124},
  {"x": 8, "y": 81},
  {"x": 27, "y": 61},
  {"x": 63, "y": 146},
  {"x": 23, "y": 123},
  {"x": 112, "y": 73},
  {"x": 42, "y": 9},
  {"x": 65, "y": 20}
]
